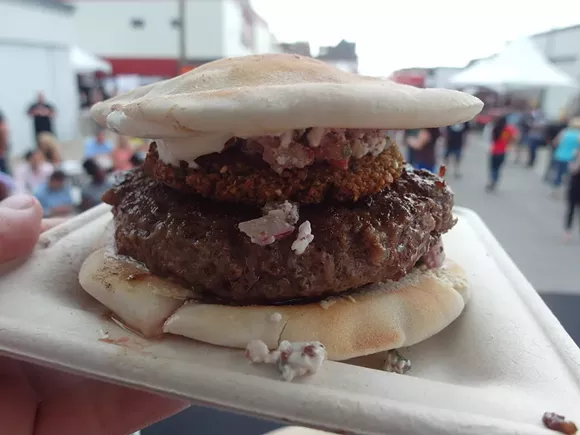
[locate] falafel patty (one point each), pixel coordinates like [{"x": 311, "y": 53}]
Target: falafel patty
[
  {"x": 249, "y": 172},
  {"x": 198, "y": 243}
]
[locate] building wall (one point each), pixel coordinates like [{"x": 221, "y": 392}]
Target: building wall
[
  {"x": 159, "y": 35},
  {"x": 344, "y": 65},
  {"x": 214, "y": 29},
  {"x": 561, "y": 47},
  {"x": 233, "y": 28},
  {"x": 35, "y": 57}
]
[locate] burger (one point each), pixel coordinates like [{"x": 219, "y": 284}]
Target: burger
[{"x": 273, "y": 206}]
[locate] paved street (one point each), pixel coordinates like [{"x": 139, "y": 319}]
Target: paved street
[{"x": 526, "y": 220}]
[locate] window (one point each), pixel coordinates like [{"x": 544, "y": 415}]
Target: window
[
  {"x": 137, "y": 23},
  {"x": 176, "y": 23}
]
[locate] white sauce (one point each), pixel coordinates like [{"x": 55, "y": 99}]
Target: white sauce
[
  {"x": 194, "y": 144},
  {"x": 188, "y": 147},
  {"x": 327, "y": 303},
  {"x": 315, "y": 135},
  {"x": 275, "y": 318},
  {"x": 303, "y": 239}
]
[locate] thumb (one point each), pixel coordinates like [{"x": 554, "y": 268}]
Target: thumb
[{"x": 20, "y": 218}]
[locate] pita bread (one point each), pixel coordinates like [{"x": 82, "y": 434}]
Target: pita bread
[
  {"x": 385, "y": 316},
  {"x": 272, "y": 93}
]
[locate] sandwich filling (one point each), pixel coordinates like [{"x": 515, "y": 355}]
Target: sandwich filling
[
  {"x": 314, "y": 251},
  {"x": 300, "y": 148}
]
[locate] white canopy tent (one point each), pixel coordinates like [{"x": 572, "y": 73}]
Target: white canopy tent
[
  {"x": 84, "y": 62},
  {"x": 519, "y": 65}
]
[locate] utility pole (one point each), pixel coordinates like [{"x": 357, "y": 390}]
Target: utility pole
[{"x": 182, "y": 36}]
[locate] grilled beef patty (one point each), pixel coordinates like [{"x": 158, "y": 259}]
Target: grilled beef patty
[{"x": 197, "y": 242}]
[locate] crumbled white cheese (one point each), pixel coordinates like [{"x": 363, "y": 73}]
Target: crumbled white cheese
[
  {"x": 374, "y": 146},
  {"x": 257, "y": 352},
  {"x": 286, "y": 210},
  {"x": 266, "y": 230},
  {"x": 278, "y": 221},
  {"x": 291, "y": 359},
  {"x": 303, "y": 239},
  {"x": 395, "y": 362}
]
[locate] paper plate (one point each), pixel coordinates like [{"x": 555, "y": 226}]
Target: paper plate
[{"x": 503, "y": 363}]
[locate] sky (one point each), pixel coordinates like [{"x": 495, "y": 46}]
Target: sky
[{"x": 394, "y": 34}]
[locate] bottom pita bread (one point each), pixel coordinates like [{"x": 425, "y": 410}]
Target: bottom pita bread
[{"x": 381, "y": 317}]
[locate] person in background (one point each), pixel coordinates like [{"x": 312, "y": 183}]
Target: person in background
[
  {"x": 3, "y": 145},
  {"x": 122, "y": 154},
  {"x": 536, "y": 136},
  {"x": 523, "y": 126},
  {"x": 137, "y": 159},
  {"x": 568, "y": 142},
  {"x": 553, "y": 129},
  {"x": 6, "y": 186},
  {"x": 424, "y": 147},
  {"x": 502, "y": 135},
  {"x": 408, "y": 137},
  {"x": 55, "y": 196},
  {"x": 42, "y": 114},
  {"x": 99, "y": 184},
  {"x": 33, "y": 172},
  {"x": 454, "y": 141},
  {"x": 100, "y": 149},
  {"x": 573, "y": 196},
  {"x": 50, "y": 147}
]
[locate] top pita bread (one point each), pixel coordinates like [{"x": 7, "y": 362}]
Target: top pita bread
[{"x": 254, "y": 95}]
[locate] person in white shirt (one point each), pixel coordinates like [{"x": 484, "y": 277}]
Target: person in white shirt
[{"x": 32, "y": 173}]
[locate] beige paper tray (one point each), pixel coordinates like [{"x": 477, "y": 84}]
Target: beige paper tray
[{"x": 496, "y": 370}]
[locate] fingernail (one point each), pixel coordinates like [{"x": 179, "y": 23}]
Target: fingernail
[{"x": 18, "y": 202}]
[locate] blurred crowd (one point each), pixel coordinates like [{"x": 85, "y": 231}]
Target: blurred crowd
[
  {"x": 515, "y": 135},
  {"x": 64, "y": 187}
]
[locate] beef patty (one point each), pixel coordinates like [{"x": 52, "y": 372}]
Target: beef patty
[
  {"x": 238, "y": 176},
  {"x": 197, "y": 241}
]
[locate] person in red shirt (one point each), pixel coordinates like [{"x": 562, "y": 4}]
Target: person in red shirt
[{"x": 503, "y": 135}]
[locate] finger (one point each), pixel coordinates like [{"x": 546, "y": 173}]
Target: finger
[
  {"x": 17, "y": 400},
  {"x": 47, "y": 224},
  {"x": 20, "y": 217},
  {"x": 99, "y": 408}
]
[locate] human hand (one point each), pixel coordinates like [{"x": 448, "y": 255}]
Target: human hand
[{"x": 40, "y": 401}]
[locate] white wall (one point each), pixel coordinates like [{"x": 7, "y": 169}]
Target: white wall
[
  {"x": 343, "y": 65},
  {"x": 33, "y": 24},
  {"x": 264, "y": 40},
  {"x": 104, "y": 28},
  {"x": 233, "y": 24},
  {"x": 35, "y": 57},
  {"x": 562, "y": 48},
  {"x": 205, "y": 34}
]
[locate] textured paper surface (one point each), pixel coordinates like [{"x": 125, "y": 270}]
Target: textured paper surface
[{"x": 495, "y": 370}]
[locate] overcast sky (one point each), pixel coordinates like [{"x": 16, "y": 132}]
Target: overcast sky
[{"x": 393, "y": 34}]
